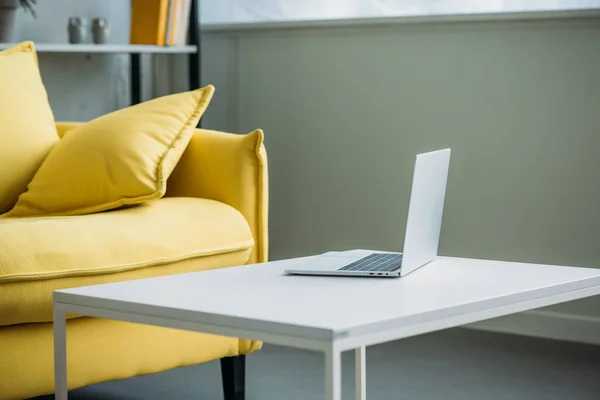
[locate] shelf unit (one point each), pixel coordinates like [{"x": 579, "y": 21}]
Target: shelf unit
[
  {"x": 192, "y": 49},
  {"x": 107, "y": 48}
]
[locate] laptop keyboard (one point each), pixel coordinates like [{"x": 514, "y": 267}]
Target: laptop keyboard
[{"x": 376, "y": 262}]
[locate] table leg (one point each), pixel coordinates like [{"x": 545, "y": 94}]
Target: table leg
[
  {"x": 333, "y": 375},
  {"x": 360, "y": 371},
  {"x": 60, "y": 353}
]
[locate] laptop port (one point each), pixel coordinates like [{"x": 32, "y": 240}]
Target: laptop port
[{"x": 370, "y": 273}]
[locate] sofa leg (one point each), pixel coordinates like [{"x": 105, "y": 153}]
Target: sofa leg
[{"x": 233, "y": 373}]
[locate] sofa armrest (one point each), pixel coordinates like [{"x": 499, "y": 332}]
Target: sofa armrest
[{"x": 231, "y": 169}]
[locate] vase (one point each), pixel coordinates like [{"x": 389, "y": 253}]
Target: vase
[
  {"x": 8, "y": 13},
  {"x": 100, "y": 30},
  {"x": 78, "y": 30}
]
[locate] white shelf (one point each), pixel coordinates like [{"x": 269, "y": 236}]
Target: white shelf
[{"x": 106, "y": 48}]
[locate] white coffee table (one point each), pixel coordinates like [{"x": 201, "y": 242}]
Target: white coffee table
[{"x": 326, "y": 314}]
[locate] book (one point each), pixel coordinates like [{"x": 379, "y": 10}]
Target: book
[
  {"x": 182, "y": 22},
  {"x": 149, "y": 21},
  {"x": 171, "y": 22}
]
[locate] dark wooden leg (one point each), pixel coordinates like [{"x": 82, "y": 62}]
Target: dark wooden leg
[{"x": 233, "y": 372}]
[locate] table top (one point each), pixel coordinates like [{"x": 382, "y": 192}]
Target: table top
[{"x": 260, "y": 298}]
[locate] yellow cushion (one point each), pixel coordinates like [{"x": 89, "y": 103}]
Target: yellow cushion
[
  {"x": 27, "y": 131},
  {"x": 170, "y": 235},
  {"x": 118, "y": 159}
]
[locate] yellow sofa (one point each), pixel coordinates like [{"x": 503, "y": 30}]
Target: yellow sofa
[{"x": 213, "y": 216}]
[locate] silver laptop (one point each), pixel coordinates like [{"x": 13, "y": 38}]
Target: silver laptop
[{"x": 422, "y": 234}]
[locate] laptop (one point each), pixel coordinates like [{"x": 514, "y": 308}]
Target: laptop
[{"x": 422, "y": 234}]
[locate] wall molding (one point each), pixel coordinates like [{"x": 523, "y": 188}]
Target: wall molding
[
  {"x": 546, "y": 324},
  {"x": 403, "y": 20}
]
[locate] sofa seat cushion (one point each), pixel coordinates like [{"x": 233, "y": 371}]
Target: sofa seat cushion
[{"x": 165, "y": 236}]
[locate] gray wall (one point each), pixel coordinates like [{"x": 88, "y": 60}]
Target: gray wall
[{"x": 345, "y": 110}]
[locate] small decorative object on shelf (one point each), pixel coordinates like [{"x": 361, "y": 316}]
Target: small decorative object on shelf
[
  {"x": 8, "y": 12},
  {"x": 100, "y": 30},
  {"x": 78, "y": 30}
]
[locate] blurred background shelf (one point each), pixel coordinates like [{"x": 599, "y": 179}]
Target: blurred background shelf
[{"x": 190, "y": 44}]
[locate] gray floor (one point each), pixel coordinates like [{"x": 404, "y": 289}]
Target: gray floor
[{"x": 456, "y": 364}]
